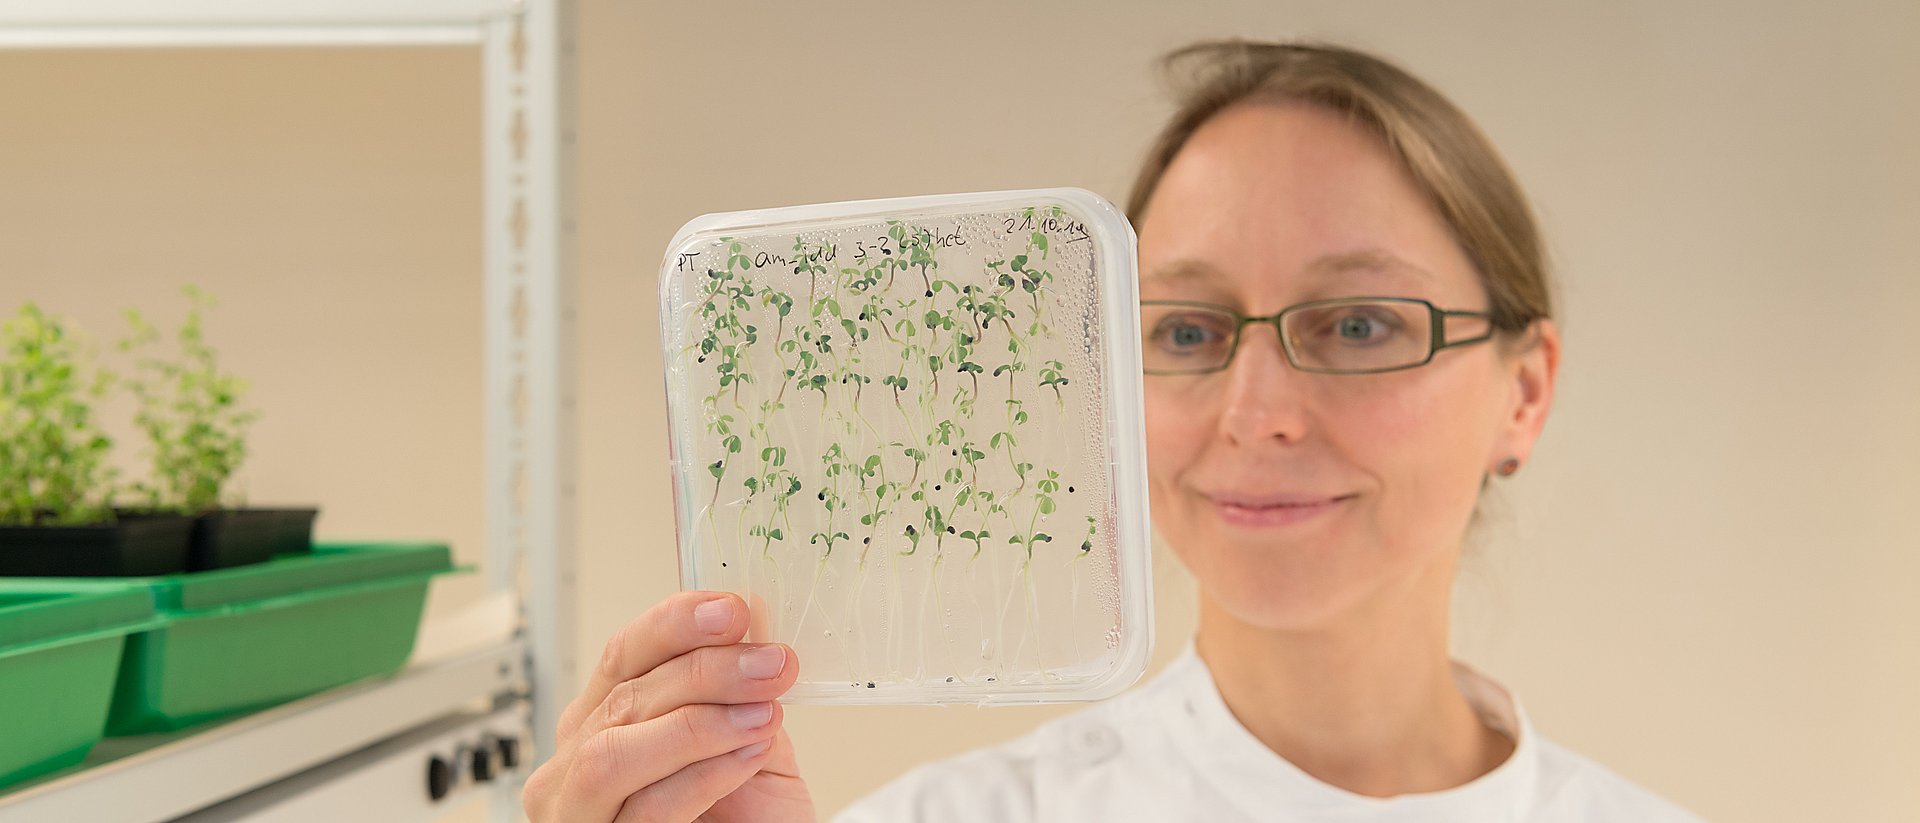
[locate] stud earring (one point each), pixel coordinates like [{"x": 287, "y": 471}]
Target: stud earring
[{"x": 1508, "y": 467}]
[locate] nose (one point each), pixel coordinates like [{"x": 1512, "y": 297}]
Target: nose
[{"x": 1264, "y": 394}]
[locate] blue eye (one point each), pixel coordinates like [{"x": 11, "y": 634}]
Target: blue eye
[
  {"x": 1191, "y": 331},
  {"x": 1356, "y": 327},
  {"x": 1184, "y": 338},
  {"x": 1188, "y": 335},
  {"x": 1363, "y": 327}
]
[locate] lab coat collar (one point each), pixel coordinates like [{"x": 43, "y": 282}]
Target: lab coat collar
[{"x": 1224, "y": 753}]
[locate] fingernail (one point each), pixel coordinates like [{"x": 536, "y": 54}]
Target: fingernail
[
  {"x": 750, "y": 715},
  {"x": 713, "y": 616},
  {"x": 752, "y": 751},
  {"x": 763, "y": 662}
]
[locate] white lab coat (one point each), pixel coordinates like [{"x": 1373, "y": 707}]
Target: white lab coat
[{"x": 1170, "y": 750}]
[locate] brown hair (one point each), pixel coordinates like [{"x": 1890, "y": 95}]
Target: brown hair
[{"x": 1446, "y": 155}]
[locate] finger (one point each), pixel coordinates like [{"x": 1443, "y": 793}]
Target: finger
[
  {"x": 690, "y": 792},
  {"x": 540, "y": 796},
  {"x": 674, "y": 626},
  {"x": 716, "y": 674},
  {"x": 618, "y": 762}
]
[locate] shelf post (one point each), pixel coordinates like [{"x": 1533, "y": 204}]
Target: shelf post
[{"x": 529, "y": 147}]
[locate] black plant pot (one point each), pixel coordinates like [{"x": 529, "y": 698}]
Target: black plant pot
[
  {"x": 236, "y": 537},
  {"x": 296, "y": 531},
  {"x": 131, "y": 546}
]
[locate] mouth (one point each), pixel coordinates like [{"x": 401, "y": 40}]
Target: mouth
[{"x": 1273, "y": 511}]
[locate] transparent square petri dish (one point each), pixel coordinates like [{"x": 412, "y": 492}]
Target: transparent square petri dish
[{"x": 909, "y": 433}]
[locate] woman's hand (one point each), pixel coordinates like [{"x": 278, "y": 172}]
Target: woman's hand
[{"x": 677, "y": 723}]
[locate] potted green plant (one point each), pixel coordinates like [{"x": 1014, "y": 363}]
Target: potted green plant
[
  {"x": 56, "y": 488},
  {"x": 196, "y": 431}
]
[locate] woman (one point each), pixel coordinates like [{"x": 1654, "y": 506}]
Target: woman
[{"x": 1315, "y": 464}]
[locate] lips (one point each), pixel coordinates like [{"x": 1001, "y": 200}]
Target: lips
[
  {"x": 1273, "y": 510},
  {"x": 1267, "y": 501}
]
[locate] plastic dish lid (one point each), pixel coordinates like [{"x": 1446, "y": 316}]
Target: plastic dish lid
[{"x": 909, "y": 433}]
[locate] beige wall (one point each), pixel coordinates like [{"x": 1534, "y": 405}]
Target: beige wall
[{"x": 1702, "y": 580}]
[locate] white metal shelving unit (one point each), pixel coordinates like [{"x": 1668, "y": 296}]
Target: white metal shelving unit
[{"x": 362, "y": 750}]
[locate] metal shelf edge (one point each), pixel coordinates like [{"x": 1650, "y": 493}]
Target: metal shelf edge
[
  {"x": 239, "y": 36},
  {"x": 171, "y": 775}
]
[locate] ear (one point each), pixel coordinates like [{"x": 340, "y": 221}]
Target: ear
[{"x": 1533, "y": 370}]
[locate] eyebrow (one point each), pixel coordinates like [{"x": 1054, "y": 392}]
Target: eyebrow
[
  {"x": 1366, "y": 260},
  {"x": 1185, "y": 269},
  {"x": 1361, "y": 261}
]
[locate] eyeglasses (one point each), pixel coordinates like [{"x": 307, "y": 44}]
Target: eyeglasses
[{"x": 1348, "y": 335}]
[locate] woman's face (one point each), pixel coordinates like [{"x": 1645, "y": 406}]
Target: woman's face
[{"x": 1268, "y": 206}]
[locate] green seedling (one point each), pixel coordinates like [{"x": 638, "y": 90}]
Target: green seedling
[{"x": 1050, "y": 377}]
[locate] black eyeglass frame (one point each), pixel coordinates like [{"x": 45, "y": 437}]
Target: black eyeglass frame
[{"x": 1437, "y": 326}]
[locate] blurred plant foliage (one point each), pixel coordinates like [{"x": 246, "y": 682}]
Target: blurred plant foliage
[
  {"x": 53, "y": 455},
  {"x": 190, "y": 412}
]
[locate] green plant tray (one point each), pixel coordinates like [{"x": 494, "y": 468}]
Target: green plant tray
[
  {"x": 242, "y": 639},
  {"x": 58, "y": 655}
]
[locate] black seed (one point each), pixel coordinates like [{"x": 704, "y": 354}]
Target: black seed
[
  {"x": 929, "y": 294},
  {"x": 866, "y": 540},
  {"x": 869, "y": 684},
  {"x": 956, "y": 452},
  {"x": 936, "y": 487},
  {"x": 701, "y": 359},
  {"x": 723, "y": 565},
  {"x": 949, "y": 680},
  {"x": 949, "y": 530},
  {"x": 1069, "y": 490},
  {"x": 821, "y": 496}
]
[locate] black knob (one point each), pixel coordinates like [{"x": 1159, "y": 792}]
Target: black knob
[
  {"x": 483, "y": 763},
  {"x": 509, "y": 752},
  {"x": 439, "y": 777}
]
